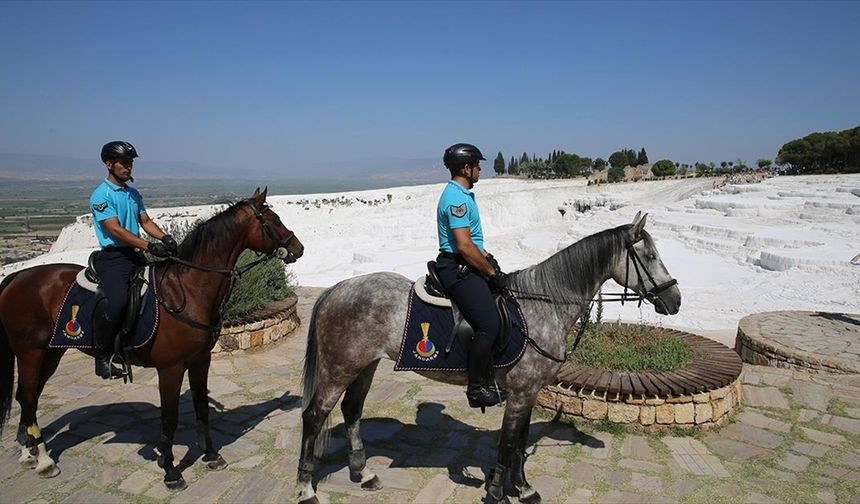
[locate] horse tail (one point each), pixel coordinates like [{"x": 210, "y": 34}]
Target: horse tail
[
  {"x": 311, "y": 374},
  {"x": 7, "y": 366}
]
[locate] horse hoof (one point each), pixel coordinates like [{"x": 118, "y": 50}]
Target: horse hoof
[
  {"x": 28, "y": 462},
  {"x": 372, "y": 484},
  {"x": 530, "y": 497},
  {"x": 217, "y": 464},
  {"x": 176, "y": 485},
  {"x": 48, "y": 471},
  {"x": 312, "y": 500}
]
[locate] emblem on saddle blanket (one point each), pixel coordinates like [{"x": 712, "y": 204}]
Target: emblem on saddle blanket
[
  {"x": 425, "y": 349},
  {"x": 73, "y": 328},
  {"x": 428, "y": 329}
]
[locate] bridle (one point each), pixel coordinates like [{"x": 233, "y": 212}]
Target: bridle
[
  {"x": 280, "y": 251},
  {"x": 265, "y": 230},
  {"x": 652, "y": 294}
]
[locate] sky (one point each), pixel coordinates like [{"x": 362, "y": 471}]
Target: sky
[{"x": 322, "y": 89}]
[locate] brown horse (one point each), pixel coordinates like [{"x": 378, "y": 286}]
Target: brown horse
[{"x": 199, "y": 279}]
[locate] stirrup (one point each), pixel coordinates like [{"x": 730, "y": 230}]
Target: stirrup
[
  {"x": 485, "y": 396},
  {"x": 112, "y": 373}
]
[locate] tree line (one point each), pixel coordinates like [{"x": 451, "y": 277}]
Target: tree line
[
  {"x": 820, "y": 152},
  {"x": 560, "y": 164}
]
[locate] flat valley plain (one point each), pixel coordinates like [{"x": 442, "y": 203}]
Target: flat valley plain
[{"x": 32, "y": 213}]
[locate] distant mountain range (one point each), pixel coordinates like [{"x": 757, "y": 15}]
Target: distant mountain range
[{"x": 42, "y": 167}]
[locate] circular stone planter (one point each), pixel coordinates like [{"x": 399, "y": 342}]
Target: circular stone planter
[
  {"x": 703, "y": 393},
  {"x": 260, "y": 328},
  {"x": 812, "y": 341}
]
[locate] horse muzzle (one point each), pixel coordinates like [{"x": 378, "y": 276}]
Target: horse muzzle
[
  {"x": 667, "y": 301},
  {"x": 288, "y": 256}
]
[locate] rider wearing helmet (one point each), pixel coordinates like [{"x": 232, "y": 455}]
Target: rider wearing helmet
[
  {"x": 118, "y": 214},
  {"x": 467, "y": 271}
]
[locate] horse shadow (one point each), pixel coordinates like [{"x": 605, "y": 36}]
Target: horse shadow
[
  {"x": 144, "y": 426},
  {"x": 839, "y": 317},
  {"x": 437, "y": 439}
]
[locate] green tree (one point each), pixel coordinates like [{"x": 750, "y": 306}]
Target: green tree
[
  {"x": 764, "y": 163},
  {"x": 703, "y": 169},
  {"x": 615, "y": 173},
  {"x": 663, "y": 168},
  {"x": 598, "y": 164},
  {"x": 524, "y": 158},
  {"x": 822, "y": 152},
  {"x": 642, "y": 158},
  {"x": 631, "y": 156},
  {"x": 499, "y": 164},
  {"x": 618, "y": 159}
]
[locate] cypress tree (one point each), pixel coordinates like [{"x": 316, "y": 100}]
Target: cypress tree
[{"x": 499, "y": 164}]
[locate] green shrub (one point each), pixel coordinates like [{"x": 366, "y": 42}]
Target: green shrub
[
  {"x": 257, "y": 288},
  {"x": 621, "y": 347},
  {"x": 663, "y": 168}
]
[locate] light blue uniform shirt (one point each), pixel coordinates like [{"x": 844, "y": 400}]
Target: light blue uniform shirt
[
  {"x": 457, "y": 209},
  {"x": 124, "y": 203}
]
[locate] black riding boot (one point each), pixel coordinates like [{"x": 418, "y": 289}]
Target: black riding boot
[
  {"x": 104, "y": 332},
  {"x": 481, "y": 391}
]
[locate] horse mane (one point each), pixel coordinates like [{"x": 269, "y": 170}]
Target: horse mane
[
  {"x": 211, "y": 233},
  {"x": 567, "y": 275}
]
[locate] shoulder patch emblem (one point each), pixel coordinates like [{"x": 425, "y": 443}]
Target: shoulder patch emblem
[
  {"x": 458, "y": 211},
  {"x": 100, "y": 207}
]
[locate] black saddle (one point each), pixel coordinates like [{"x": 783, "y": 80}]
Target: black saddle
[{"x": 462, "y": 330}]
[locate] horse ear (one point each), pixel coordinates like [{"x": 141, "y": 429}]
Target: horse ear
[
  {"x": 639, "y": 224},
  {"x": 638, "y": 216},
  {"x": 256, "y": 192},
  {"x": 265, "y": 190}
]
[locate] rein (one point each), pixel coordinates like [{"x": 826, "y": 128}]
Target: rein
[{"x": 234, "y": 274}]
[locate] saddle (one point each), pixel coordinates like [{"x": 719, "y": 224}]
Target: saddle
[
  {"x": 88, "y": 279},
  {"x": 430, "y": 290}
]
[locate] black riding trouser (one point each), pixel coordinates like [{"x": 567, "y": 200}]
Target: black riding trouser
[
  {"x": 115, "y": 267},
  {"x": 473, "y": 297}
]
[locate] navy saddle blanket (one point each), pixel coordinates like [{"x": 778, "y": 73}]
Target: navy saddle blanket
[
  {"x": 426, "y": 333},
  {"x": 74, "y": 321}
]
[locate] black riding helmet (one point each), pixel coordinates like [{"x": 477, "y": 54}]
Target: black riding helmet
[
  {"x": 459, "y": 154},
  {"x": 118, "y": 150}
]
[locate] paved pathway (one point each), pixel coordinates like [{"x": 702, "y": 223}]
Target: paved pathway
[{"x": 797, "y": 440}]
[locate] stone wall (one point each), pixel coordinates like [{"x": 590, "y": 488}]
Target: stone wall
[
  {"x": 701, "y": 410},
  {"x": 261, "y": 328}
]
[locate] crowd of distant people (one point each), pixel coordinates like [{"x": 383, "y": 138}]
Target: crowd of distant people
[{"x": 743, "y": 178}]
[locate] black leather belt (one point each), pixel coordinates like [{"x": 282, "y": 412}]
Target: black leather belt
[{"x": 450, "y": 255}]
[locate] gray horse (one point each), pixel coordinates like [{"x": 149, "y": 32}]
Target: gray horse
[{"x": 373, "y": 309}]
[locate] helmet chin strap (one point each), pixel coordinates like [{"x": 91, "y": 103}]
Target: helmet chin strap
[{"x": 472, "y": 178}]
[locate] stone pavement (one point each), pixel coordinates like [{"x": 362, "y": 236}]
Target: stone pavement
[
  {"x": 802, "y": 340},
  {"x": 797, "y": 440}
]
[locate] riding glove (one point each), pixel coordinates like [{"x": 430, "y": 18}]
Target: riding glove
[
  {"x": 498, "y": 280},
  {"x": 159, "y": 249},
  {"x": 170, "y": 243}
]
